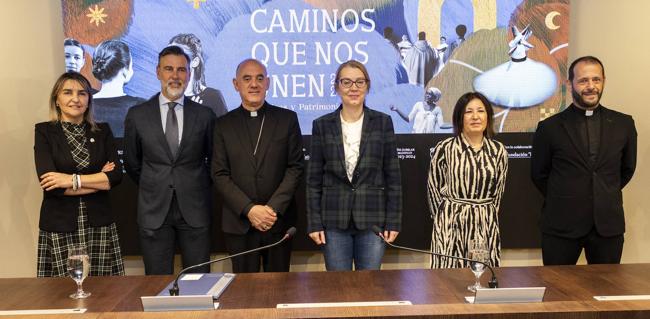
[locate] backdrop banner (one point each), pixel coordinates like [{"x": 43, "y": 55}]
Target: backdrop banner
[{"x": 421, "y": 57}]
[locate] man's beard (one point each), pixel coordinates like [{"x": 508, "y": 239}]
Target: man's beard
[
  {"x": 577, "y": 98},
  {"x": 174, "y": 92}
]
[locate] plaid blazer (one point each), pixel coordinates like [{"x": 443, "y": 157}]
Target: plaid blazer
[{"x": 374, "y": 197}]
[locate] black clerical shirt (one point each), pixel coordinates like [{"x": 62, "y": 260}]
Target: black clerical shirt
[
  {"x": 589, "y": 128},
  {"x": 254, "y": 125}
]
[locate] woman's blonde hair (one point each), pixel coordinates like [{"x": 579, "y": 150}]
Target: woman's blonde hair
[{"x": 352, "y": 64}]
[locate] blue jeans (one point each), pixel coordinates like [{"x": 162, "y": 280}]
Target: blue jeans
[{"x": 345, "y": 246}]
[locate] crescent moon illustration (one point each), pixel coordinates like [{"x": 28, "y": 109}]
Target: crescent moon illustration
[{"x": 549, "y": 20}]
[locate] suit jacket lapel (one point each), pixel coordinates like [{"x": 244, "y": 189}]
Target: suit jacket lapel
[
  {"x": 606, "y": 122},
  {"x": 91, "y": 144},
  {"x": 189, "y": 117},
  {"x": 242, "y": 134},
  {"x": 574, "y": 135},
  {"x": 365, "y": 131},
  {"x": 156, "y": 125},
  {"x": 57, "y": 130},
  {"x": 267, "y": 133},
  {"x": 338, "y": 136}
]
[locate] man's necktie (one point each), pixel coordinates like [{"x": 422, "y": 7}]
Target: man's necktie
[{"x": 171, "y": 129}]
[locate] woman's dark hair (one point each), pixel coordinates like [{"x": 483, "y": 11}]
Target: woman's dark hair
[
  {"x": 110, "y": 58},
  {"x": 55, "y": 111},
  {"x": 459, "y": 113},
  {"x": 73, "y": 42},
  {"x": 193, "y": 43}
]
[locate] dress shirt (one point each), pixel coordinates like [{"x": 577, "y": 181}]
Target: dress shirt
[{"x": 163, "y": 102}]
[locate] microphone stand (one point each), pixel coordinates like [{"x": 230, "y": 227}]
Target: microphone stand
[
  {"x": 493, "y": 283},
  {"x": 174, "y": 290}
]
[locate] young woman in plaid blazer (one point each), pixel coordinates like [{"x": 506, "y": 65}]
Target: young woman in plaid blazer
[{"x": 353, "y": 178}]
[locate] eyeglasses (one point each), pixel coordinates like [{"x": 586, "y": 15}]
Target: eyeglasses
[{"x": 360, "y": 83}]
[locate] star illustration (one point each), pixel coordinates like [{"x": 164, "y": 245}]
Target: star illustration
[
  {"x": 196, "y": 3},
  {"x": 97, "y": 15}
]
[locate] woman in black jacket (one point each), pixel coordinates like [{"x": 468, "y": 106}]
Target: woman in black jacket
[{"x": 76, "y": 162}]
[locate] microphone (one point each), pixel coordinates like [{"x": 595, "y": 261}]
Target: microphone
[
  {"x": 493, "y": 283},
  {"x": 174, "y": 291}
]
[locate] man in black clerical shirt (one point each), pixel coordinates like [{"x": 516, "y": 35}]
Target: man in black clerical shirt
[
  {"x": 256, "y": 166},
  {"x": 582, "y": 159}
]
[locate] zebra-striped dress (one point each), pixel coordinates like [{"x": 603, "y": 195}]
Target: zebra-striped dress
[{"x": 464, "y": 192}]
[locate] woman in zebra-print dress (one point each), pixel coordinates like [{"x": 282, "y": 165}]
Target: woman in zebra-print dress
[{"x": 466, "y": 180}]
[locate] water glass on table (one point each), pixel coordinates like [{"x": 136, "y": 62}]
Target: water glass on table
[
  {"x": 78, "y": 268},
  {"x": 477, "y": 250}
]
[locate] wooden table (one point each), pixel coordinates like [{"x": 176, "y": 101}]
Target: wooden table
[{"x": 434, "y": 293}]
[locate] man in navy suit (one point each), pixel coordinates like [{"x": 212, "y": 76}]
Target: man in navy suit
[
  {"x": 167, "y": 148},
  {"x": 582, "y": 159}
]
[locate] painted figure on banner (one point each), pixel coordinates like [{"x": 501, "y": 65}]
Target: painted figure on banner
[
  {"x": 461, "y": 31},
  {"x": 197, "y": 90},
  {"x": 520, "y": 82},
  {"x": 113, "y": 66},
  {"x": 404, "y": 46},
  {"x": 390, "y": 37},
  {"x": 425, "y": 116},
  {"x": 443, "y": 55},
  {"x": 401, "y": 75},
  {"x": 74, "y": 54},
  {"x": 421, "y": 61}
]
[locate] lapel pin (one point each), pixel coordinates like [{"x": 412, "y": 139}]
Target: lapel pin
[{"x": 92, "y": 140}]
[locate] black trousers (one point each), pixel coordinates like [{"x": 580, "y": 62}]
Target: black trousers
[
  {"x": 566, "y": 251},
  {"x": 159, "y": 245},
  {"x": 276, "y": 259}
]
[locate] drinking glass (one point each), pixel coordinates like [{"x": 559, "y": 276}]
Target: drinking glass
[
  {"x": 477, "y": 250},
  {"x": 78, "y": 268}
]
